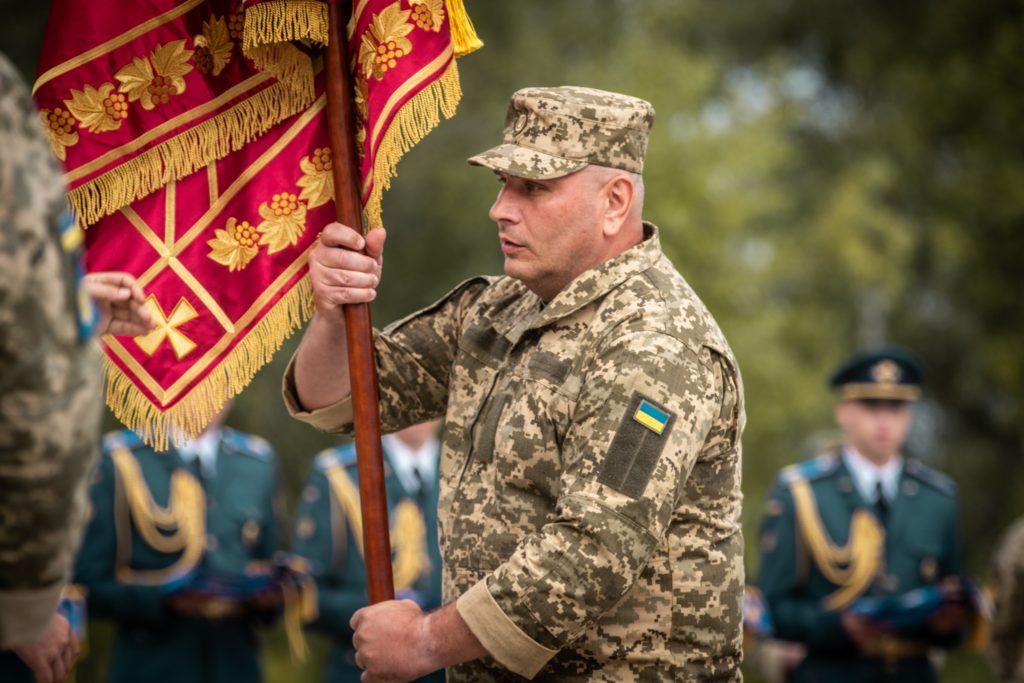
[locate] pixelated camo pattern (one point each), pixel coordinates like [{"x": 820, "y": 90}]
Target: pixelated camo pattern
[
  {"x": 551, "y": 132},
  {"x": 627, "y": 587},
  {"x": 1007, "y": 650},
  {"x": 49, "y": 382}
]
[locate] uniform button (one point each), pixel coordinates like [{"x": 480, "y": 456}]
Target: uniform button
[{"x": 211, "y": 542}]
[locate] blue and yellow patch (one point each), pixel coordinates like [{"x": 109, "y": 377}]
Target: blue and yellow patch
[
  {"x": 653, "y": 418},
  {"x": 72, "y": 241}
]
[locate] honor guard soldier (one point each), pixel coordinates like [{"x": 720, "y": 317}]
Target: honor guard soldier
[
  {"x": 160, "y": 522},
  {"x": 328, "y": 534},
  {"x": 863, "y": 522}
]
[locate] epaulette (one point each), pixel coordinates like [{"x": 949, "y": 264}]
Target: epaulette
[
  {"x": 121, "y": 438},
  {"x": 248, "y": 444},
  {"x": 815, "y": 468},
  {"x": 339, "y": 455},
  {"x": 932, "y": 477}
]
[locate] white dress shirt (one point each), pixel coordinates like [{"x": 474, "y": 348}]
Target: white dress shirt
[
  {"x": 205, "y": 449},
  {"x": 866, "y": 475},
  {"x": 405, "y": 461}
]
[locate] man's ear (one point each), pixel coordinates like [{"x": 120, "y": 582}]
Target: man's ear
[{"x": 618, "y": 195}]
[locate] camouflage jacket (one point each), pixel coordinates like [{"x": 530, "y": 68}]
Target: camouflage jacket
[
  {"x": 590, "y": 471},
  {"x": 49, "y": 379},
  {"x": 1007, "y": 651}
]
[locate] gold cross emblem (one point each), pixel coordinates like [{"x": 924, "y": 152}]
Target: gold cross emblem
[{"x": 167, "y": 328}]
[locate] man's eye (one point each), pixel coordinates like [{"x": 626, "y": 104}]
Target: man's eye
[{"x": 534, "y": 187}]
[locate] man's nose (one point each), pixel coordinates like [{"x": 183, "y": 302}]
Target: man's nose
[{"x": 503, "y": 209}]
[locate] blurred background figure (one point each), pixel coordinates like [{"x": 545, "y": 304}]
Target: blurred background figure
[
  {"x": 328, "y": 533},
  {"x": 49, "y": 389},
  {"x": 1007, "y": 648},
  {"x": 171, "y": 543},
  {"x": 849, "y": 536}
]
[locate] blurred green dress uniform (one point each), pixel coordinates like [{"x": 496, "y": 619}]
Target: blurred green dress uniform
[
  {"x": 825, "y": 543},
  {"x": 157, "y": 518},
  {"x": 1007, "y": 647},
  {"x": 49, "y": 379},
  {"x": 328, "y": 533},
  {"x": 590, "y": 466}
]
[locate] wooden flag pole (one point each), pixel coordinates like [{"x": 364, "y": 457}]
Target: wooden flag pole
[{"x": 359, "y": 331}]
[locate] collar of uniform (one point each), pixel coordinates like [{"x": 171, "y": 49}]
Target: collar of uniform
[
  {"x": 866, "y": 475},
  {"x": 596, "y": 282}
]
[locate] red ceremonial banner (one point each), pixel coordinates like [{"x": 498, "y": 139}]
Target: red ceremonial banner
[{"x": 195, "y": 146}]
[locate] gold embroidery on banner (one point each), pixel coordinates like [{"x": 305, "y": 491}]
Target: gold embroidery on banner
[
  {"x": 153, "y": 81},
  {"x": 428, "y": 14},
  {"x": 167, "y": 328},
  {"x": 236, "y": 21},
  {"x": 213, "y": 46},
  {"x": 98, "y": 110},
  {"x": 385, "y": 42},
  {"x": 60, "y": 130},
  {"x": 235, "y": 246},
  {"x": 284, "y": 221},
  {"x": 317, "y": 182},
  {"x": 114, "y": 43}
]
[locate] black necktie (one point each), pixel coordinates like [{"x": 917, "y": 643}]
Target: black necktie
[
  {"x": 881, "y": 504},
  {"x": 421, "y": 485}
]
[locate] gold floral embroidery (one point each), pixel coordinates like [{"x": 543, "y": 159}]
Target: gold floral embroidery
[
  {"x": 59, "y": 128},
  {"x": 316, "y": 182},
  {"x": 428, "y": 14},
  {"x": 236, "y": 21},
  {"x": 234, "y": 247},
  {"x": 385, "y": 42},
  {"x": 98, "y": 110},
  {"x": 213, "y": 47},
  {"x": 284, "y": 221},
  {"x": 155, "y": 80}
]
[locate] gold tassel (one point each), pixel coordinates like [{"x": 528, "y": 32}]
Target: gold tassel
[
  {"x": 189, "y": 417},
  {"x": 412, "y": 122},
  {"x": 409, "y": 541},
  {"x": 464, "y": 37},
  {"x": 187, "y": 152}
]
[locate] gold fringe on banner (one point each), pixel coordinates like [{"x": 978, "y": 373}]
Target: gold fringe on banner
[
  {"x": 187, "y": 152},
  {"x": 464, "y": 37},
  {"x": 271, "y": 26},
  {"x": 284, "y": 21},
  {"x": 412, "y": 122},
  {"x": 188, "y": 417}
]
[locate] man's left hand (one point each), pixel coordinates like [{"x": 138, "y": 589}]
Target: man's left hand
[{"x": 390, "y": 641}]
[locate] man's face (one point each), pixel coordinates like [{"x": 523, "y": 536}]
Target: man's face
[
  {"x": 550, "y": 230},
  {"x": 876, "y": 428}
]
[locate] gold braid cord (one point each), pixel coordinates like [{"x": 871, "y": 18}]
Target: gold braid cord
[
  {"x": 851, "y": 567},
  {"x": 180, "y": 527},
  {"x": 408, "y": 532}
]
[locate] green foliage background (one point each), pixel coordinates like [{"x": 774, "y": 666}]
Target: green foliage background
[{"x": 826, "y": 173}]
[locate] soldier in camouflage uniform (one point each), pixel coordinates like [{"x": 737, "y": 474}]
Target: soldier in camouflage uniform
[
  {"x": 1007, "y": 649},
  {"x": 590, "y": 469},
  {"x": 49, "y": 386}
]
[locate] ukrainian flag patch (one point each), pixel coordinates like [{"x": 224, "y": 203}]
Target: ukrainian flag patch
[{"x": 653, "y": 418}]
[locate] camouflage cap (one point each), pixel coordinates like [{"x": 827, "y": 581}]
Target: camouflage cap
[{"x": 552, "y": 132}]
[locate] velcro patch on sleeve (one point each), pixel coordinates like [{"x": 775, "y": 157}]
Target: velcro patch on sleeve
[{"x": 638, "y": 442}]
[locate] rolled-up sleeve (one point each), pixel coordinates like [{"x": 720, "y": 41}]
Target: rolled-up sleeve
[
  {"x": 647, "y": 406},
  {"x": 414, "y": 359}
]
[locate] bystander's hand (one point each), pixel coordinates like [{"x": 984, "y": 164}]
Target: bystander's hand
[
  {"x": 51, "y": 658},
  {"x": 949, "y": 619},
  {"x": 121, "y": 303},
  {"x": 864, "y": 632}
]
